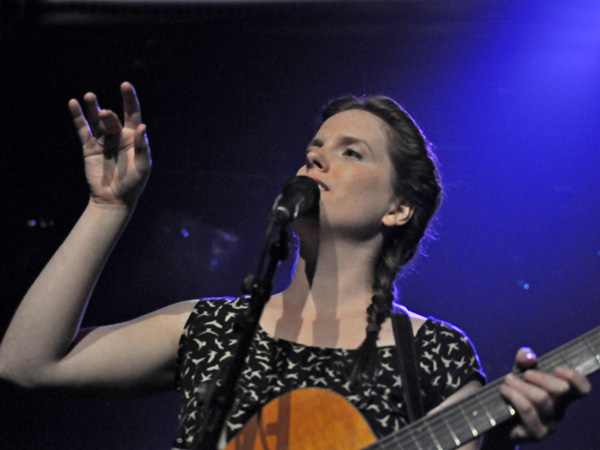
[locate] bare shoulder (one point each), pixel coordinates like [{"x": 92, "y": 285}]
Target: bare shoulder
[
  {"x": 177, "y": 311},
  {"x": 386, "y": 335},
  {"x": 416, "y": 320},
  {"x": 170, "y": 319}
]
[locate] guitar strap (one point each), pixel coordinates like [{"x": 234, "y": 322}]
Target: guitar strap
[{"x": 407, "y": 361}]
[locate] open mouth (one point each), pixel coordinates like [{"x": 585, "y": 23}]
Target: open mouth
[{"x": 322, "y": 186}]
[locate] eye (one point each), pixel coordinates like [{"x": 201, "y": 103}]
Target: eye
[{"x": 352, "y": 153}]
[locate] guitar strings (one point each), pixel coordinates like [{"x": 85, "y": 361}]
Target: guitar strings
[{"x": 438, "y": 429}]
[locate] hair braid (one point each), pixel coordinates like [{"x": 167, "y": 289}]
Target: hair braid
[
  {"x": 386, "y": 270},
  {"x": 416, "y": 182}
]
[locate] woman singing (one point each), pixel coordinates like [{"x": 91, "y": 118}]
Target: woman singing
[{"x": 379, "y": 190}]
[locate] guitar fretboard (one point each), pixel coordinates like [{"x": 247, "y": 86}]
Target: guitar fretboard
[{"x": 469, "y": 418}]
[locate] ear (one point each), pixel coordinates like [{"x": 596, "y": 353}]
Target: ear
[{"x": 399, "y": 214}]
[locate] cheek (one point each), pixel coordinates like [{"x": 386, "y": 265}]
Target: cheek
[
  {"x": 371, "y": 186},
  {"x": 375, "y": 196}
]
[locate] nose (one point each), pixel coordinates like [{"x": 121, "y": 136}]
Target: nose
[{"x": 317, "y": 159}]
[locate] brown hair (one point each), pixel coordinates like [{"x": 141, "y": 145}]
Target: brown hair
[{"x": 417, "y": 182}]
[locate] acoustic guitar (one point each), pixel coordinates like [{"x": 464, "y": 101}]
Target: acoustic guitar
[{"x": 312, "y": 418}]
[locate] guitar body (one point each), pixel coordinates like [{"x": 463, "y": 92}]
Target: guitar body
[
  {"x": 306, "y": 419},
  {"x": 317, "y": 419}
]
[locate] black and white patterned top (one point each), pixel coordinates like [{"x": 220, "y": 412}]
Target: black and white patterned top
[{"x": 274, "y": 367}]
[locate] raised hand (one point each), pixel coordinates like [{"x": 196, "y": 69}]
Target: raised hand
[
  {"x": 117, "y": 156},
  {"x": 540, "y": 398}
]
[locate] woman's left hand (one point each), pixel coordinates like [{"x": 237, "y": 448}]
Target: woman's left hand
[{"x": 540, "y": 399}]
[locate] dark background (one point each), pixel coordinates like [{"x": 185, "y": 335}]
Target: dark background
[{"x": 508, "y": 91}]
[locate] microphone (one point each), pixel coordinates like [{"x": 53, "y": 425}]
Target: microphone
[{"x": 300, "y": 194}]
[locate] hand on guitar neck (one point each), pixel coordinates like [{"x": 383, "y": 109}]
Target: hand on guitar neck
[
  {"x": 539, "y": 398},
  {"x": 539, "y": 393}
]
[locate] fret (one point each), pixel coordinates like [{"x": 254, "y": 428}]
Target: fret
[
  {"x": 565, "y": 361},
  {"x": 548, "y": 362},
  {"x": 414, "y": 440},
  {"x": 510, "y": 409},
  {"x": 477, "y": 416},
  {"x": 488, "y": 414},
  {"x": 444, "y": 431},
  {"x": 591, "y": 364},
  {"x": 474, "y": 431},
  {"x": 456, "y": 421},
  {"x": 433, "y": 437},
  {"x": 581, "y": 354},
  {"x": 497, "y": 409},
  {"x": 469, "y": 418},
  {"x": 452, "y": 434},
  {"x": 417, "y": 434}
]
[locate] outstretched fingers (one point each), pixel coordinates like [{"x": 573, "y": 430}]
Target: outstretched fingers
[
  {"x": 92, "y": 110},
  {"x": 142, "y": 148},
  {"x": 111, "y": 129},
  {"x": 131, "y": 106},
  {"x": 101, "y": 130},
  {"x": 111, "y": 124},
  {"x": 81, "y": 125}
]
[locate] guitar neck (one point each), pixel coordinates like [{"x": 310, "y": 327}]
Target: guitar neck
[{"x": 469, "y": 418}]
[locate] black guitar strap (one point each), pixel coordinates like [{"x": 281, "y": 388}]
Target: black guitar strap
[{"x": 407, "y": 361}]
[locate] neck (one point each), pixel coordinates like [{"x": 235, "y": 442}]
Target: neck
[
  {"x": 333, "y": 277},
  {"x": 326, "y": 302}
]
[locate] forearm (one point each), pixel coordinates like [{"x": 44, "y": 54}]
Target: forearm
[{"x": 48, "y": 318}]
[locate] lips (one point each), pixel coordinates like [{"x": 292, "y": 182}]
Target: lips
[{"x": 322, "y": 186}]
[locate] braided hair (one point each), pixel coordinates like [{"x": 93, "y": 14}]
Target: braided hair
[{"x": 417, "y": 182}]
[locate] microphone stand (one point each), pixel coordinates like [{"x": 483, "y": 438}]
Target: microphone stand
[{"x": 220, "y": 398}]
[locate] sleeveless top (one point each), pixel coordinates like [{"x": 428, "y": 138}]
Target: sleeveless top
[{"x": 446, "y": 357}]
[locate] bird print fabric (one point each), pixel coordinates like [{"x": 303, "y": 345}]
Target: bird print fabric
[{"x": 447, "y": 360}]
